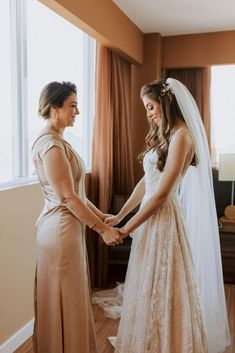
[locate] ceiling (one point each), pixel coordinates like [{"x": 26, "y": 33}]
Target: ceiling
[{"x": 172, "y": 17}]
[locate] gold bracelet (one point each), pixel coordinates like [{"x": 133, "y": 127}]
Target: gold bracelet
[{"x": 93, "y": 224}]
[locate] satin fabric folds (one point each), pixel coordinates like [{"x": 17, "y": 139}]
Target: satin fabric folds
[{"x": 63, "y": 315}]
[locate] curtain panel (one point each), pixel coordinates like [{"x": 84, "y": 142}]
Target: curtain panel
[{"x": 112, "y": 162}]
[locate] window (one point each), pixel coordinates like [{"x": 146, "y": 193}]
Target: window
[
  {"x": 46, "y": 48},
  {"x": 5, "y": 93},
  {"x": 222, "y": 111}
]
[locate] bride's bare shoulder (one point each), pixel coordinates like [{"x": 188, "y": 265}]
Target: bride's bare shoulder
[{"x": 182, "y": 135}]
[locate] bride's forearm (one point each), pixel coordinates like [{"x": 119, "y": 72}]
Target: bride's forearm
[
  {"x": 144, "y": 213},
  {"x": 134, "y": 200}
]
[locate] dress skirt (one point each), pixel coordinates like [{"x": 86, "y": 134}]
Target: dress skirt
[
  {"x": 63, "y": 315},
  {"x": 161, "y": 310}
]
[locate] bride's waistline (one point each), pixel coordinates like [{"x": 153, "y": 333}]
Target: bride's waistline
[{"x": 171, "y": 198}]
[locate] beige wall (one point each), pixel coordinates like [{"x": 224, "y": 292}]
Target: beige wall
[
  {"x": 104, "y": 21},
  {"x": 198, "y": 50},
  {"x": 19, "y": 209}
]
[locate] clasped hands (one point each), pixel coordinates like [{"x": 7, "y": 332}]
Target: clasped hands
[{"x": 113, "y": 236}]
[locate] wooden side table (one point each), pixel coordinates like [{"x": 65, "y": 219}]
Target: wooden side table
[{"x": 227, "y": 243}]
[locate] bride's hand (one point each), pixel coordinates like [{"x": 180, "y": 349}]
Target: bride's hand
[
  {"x": 124, "y": 232},
  {"x": 112, "y": 220},
  {"x": 112, "y": 236},
  {"x": 106, "y": 215}
]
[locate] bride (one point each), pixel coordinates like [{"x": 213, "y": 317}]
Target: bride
[{"x": 173, "y": 300}]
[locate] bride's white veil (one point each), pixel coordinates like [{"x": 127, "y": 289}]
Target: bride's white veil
[{"x": 198, "y": 202}]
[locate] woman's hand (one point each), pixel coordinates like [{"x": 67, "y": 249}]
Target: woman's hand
[
  {"x": 124, "y": 232},
  {"x": 106, "y": 215},
  {"x": 112, "y": 220},
  {"x": 112, "y": 236}
]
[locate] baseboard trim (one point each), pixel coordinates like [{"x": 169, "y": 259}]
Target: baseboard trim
[{"x": 18, "y": 338}]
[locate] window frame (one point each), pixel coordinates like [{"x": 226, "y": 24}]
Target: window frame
[
  {"x": 19, "y": 88},
  {"x": 89, "y": 92},
  {"x": 215, "y": 150},
  {"x": 19, "y": 77}
]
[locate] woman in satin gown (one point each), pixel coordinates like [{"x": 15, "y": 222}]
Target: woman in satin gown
[
  {"x": 162, "y": 310},
  {"x": 63, "y": 314}
]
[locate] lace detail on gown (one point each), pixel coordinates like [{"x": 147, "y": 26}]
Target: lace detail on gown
[
  {"x": 161, "y": 307},
  {"x": 161, "y": 304}
]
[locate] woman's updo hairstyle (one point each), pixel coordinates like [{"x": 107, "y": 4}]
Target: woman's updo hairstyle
[{"x": 53, "y": 95}]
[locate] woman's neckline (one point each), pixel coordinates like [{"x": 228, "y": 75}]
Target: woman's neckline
[{"x": 50, "y": 131}]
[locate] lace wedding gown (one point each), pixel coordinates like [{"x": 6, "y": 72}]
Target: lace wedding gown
[{"x": 161, "y": 310}]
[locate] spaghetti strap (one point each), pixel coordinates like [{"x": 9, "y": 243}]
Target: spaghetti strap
[{"x": 183, "y": 129}]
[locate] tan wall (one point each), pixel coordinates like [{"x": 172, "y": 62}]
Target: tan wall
[
  {"x": 19, "y": 209},
  {"x": 198, "y": 50},
  {"x": 103, "y": 20}
]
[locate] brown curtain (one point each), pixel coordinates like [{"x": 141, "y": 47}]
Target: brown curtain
[
  {"x": 198, "y": 81},
  {"x": 112, "y": 168}
]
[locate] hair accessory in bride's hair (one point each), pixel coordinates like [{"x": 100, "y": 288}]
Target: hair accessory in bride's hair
[{"x": 166, "y": 89}]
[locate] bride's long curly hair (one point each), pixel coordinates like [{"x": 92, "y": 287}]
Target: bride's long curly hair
[{"x": 159, "y": 137}]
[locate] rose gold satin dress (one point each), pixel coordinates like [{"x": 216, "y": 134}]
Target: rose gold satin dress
[{"x": 63, "y": 314}]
